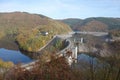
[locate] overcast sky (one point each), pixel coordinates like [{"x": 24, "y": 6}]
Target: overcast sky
[{"x": 59, "y": 9}]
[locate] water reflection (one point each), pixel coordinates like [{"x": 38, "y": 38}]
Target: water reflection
[{"x": 13, "y": 56}]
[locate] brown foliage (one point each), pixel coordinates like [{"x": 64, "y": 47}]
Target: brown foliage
[{"x": 56, "y": 69}]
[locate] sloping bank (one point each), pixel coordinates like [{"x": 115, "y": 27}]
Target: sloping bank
[{"x": 55, "y": 45}]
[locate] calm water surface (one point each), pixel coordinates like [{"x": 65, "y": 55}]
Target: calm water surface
[{"x": 14, "y": 56}]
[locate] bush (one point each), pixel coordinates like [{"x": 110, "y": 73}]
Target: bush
[{"x": 56, "y": 69}]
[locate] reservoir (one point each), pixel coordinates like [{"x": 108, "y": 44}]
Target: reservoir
[
  {"x": 86, "y": 58},
  {"x": 14, "y": 56},
  {"x": 17, "y": 57},
  {"x": 84, "y": 61}
]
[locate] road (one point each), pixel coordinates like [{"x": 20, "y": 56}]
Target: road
[
  {"x": 70, "y": 45},
  {"x": 92, "y": 33}
]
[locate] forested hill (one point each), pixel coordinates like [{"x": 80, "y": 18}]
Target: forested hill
[
  {"x": 93, "y": 24},
  {"x": 26, "y": 29}
]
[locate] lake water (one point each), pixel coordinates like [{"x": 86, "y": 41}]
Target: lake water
[
  {"x": 86, "y": 58},
  {"x": 17, "y": 57},
  {"x": 14, "y": 56}
]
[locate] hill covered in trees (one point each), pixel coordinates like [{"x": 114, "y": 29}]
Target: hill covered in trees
[
  {"x": 93, "y": 24},
  {"x": 27, "y": 30}
]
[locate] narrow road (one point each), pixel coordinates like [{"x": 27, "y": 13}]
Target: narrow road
[{"x": 69, "y": 47}]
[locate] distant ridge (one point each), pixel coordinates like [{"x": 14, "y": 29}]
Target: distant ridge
[{"x": 93, "y": 24}]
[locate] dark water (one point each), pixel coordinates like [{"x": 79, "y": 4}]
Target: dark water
[
  {"x": 86, "y": 58},
  {"x": 14, "y": 56},
  {"x": 17, "y": 57}
]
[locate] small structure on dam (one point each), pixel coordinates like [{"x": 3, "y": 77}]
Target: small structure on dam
[
  {"x": 81, "y": 40},
  {"x": 71, "y": 56},
  {"x": 74, "y": 54}
]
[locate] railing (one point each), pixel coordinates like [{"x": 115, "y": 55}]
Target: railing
[
  {"x": 67, "y": 48},
  {"x": 47, "y": 43},
  {"x": 60, "y": 54}
]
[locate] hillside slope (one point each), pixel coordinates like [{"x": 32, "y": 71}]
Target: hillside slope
[
  {"x": 26, "y": 29},
  {"x": 93, "y": 24}
]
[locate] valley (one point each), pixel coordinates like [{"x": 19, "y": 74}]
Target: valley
[{"x": 85, "y": 48}]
